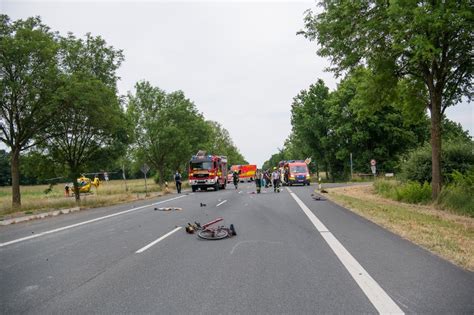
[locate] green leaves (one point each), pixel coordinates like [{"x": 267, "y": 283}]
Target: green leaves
[
  {"x": 28, "y": 72},
  {"x": 355, "y": 119},
  {"x": 221, "y": 143},
  {"x": 168, "y": 128},
  {"x": 408, "y": 40}
]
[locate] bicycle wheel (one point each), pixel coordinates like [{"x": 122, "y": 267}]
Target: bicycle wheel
[{"x": 213, "y": 235}]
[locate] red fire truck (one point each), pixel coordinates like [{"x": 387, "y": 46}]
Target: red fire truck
[{"x": 207, "y": 171}]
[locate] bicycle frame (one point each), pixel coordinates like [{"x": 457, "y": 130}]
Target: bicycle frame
[{"x": 206, "y": 226}]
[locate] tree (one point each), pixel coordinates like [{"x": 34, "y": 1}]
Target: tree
[
  {"x": 38, "y": 167},
  {"x": 425, "y": 43},
  {"x": 168, "y": 128},
  {"x": 368, "y": 128},
  {"x": 221, "y": 144},
  {"x": 348, "y": 120},
  {"x": 91, "y": 127},
  {"x": 28, "y": 81},
  {"x": 310, "y": 125},
  {"x": 5, "y": 168}
]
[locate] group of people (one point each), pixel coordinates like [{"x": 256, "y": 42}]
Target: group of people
[
  {"x": 265, "y": 178},
  {"x": 262, "y": 179}
]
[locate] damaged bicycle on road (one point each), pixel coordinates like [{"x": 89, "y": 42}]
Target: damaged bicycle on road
[{"x": 210, "y": 232}]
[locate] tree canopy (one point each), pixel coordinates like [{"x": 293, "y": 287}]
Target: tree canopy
[
  {"x": 28, "y": 81},
  {"x": 424, "y": 43},
  {"x": 168, "y": 128}
]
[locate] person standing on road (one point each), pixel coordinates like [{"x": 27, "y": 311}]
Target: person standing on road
[
  {"x": 177, "y": 179},
  {"x": 276, "y": 180},
  {"x": 235, "y": 178},
  {"x": 267, "y": 179},
  {"x": 258, "y": 181}
]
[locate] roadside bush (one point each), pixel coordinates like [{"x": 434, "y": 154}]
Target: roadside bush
[
  {"x": 410, "y": 192},
  {"x": 459, "y": 195},
  {"x": 386, "y": 188},
  {"x": 455, "y": 156},
  {"x": 414, "y": 192}
]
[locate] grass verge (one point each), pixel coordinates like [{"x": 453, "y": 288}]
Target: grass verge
[
  {"x": 35, "y": 200},
  {"x": 448, "y": 235}
]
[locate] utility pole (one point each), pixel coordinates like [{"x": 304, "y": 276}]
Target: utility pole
[
  {"x": 124, "y": 178},
  {"x": 352, "y": 177}
]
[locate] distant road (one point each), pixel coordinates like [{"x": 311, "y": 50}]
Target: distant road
[{"x": 292, "y": 254}]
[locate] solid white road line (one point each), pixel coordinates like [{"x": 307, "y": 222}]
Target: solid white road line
[
  {"x": 221, "y": 203},
  {"x": 85, "y": 222},
  {"x": 374, "y": 292},
  {"x": 141, "y": 250}
]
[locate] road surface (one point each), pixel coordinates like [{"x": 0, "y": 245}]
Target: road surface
[{"x": 292, "y": 254}]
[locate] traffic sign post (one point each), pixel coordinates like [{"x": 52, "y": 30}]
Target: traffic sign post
[
  {"x": 145, "y": 168},
  {"x": 373, "y": 166},
  {"x": 374, "y": 169}
]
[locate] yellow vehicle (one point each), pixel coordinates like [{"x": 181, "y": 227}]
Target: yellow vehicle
[{"x": 86, "y": 183}]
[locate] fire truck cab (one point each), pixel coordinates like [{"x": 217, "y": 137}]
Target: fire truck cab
[{"x": 207, "y": 171}]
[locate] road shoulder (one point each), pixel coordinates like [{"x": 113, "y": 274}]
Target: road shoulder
[{"x": 447, "y": 235}]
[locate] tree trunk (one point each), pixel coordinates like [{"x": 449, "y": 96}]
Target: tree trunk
[
  {"x": 75, "y": 184},
  {"x": 77, "y": 193},
  {"x": 161, "y": 177},
  {"x": 436, "y": 180},
  {"x": 15, "y": 170}
]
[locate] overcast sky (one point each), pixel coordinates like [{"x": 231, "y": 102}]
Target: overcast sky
[{"x": 240, "y": 62}]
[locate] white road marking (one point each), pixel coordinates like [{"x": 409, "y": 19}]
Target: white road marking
[
  {"x": 374, "y": 292},
  {"x": 85, "y": 222},
  {"x": 221, "y": 203},
  {"x": 141, "y": 250}
]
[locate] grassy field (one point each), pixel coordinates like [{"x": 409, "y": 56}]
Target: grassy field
[
  {"x": 35, "y": 200},
  {"x": 448, "y": 235}
]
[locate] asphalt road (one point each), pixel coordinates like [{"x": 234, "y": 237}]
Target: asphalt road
[{"x": 292, "y": 254}]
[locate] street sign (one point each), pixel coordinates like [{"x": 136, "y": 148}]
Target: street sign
[
  {"x": 145, "y": 168},
  {"x": 374, "y": 169},
  {"x": 373, "y": 162}
]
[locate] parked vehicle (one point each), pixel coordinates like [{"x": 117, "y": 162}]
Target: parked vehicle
[
  {"x": 207, "y": 171},
  {"x": 246, "y": 172},
  {"x": 295, "y": 172}
]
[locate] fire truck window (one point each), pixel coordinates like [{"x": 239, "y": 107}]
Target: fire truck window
[
  {"x": 299, "y": 169},
  {"x": 201, "y": 165}
]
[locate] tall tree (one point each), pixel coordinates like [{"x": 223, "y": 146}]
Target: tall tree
[
  {"x": 28, "y": 81},
  {"x": 368, "y": 128},
  {"x": 168, "y": 128},
  {"x": 91, "y": 127},
  {"x": 428, "y": 42},
  {"x": 349, "y": 120},
  {"x": 309, "y": 119},
  {"x": 221, "y": 143}
]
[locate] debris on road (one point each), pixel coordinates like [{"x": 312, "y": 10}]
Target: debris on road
[
  {"x": 317, "y": 197},
  {"x": 168, "y": 209},
  {"x": 203, "y": 204}
]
